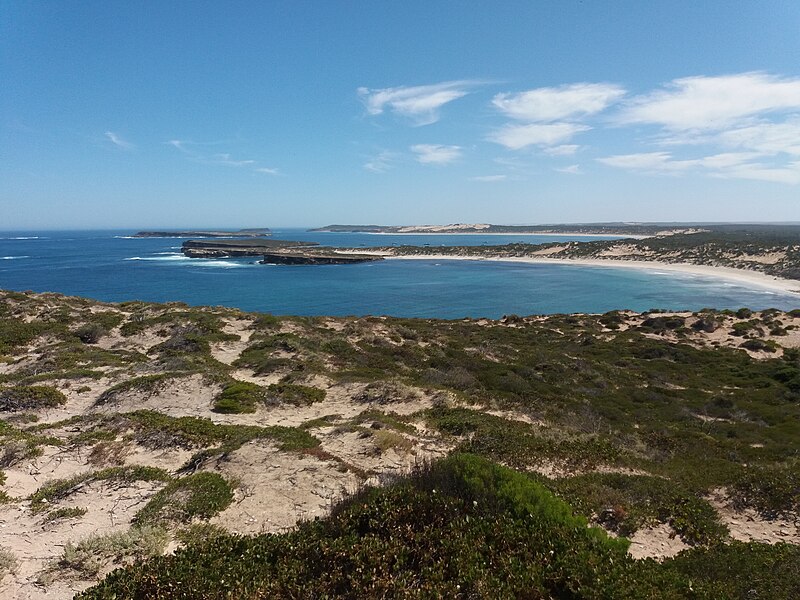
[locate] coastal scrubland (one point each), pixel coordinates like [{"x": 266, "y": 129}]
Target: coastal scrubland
[
  {"x": 772, "y": 251},
  {"x": 625, "y": 455}
]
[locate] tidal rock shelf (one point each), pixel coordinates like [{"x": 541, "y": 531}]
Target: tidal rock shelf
[
  {"x": 306, "y": 258},
  {"x": 237, "y": 248}
]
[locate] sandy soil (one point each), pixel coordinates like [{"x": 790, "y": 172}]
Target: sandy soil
[{"x": 656, "y": 542}]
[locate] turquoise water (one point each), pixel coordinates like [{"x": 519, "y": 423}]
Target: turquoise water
[{"x": 107, "y": 265}]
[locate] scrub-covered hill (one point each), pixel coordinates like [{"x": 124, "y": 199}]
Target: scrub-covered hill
[{"x": 133, "y": 430}]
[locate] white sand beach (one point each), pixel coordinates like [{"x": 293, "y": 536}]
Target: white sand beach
[{"x": 740, "y": 276}]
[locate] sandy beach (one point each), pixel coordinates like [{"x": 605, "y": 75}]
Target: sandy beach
[{"x": 739, "y": 276}]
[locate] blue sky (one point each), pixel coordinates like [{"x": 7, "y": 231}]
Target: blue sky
[{"x": 170, "y": 114}]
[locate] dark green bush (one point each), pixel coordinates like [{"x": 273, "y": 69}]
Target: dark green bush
[
  {"x": 626, "y": 503},
  {"x": 239, "y": 397},
  {"x": 59, "y": 489},
  {"x": 292, "y": 393},
  {"x": 197, "y": 496},
  {"x": 34, "y": 397},
  {"x": 90, "y": 333}
]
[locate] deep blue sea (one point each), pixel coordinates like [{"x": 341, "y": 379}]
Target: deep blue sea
[{"x": 111, "y": 266}]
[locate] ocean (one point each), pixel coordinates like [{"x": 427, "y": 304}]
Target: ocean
[{"x": 112, "y": 266}]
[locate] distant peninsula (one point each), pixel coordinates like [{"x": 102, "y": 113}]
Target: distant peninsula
[
  {"x": 629, "y": 229},
  {"x": 770, "y": 251},
  {"x": 241, "y": 233}
]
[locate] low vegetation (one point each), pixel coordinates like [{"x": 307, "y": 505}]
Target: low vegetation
[
  {"x": 462, "y": 528},
  {"x": 197, "y": 496},
  {"x": 8, "y": 563},
  {"x": 87, "y": 558},
  {"x": 292, "y": 393},
  {"x": 55, "y": 491},
  {"x": 239, "y": 397},
  {"x": 621, "y": 421},
  {"x": 35, "y": 397}
]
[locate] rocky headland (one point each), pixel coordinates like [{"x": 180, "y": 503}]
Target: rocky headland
[{"x": 275, "y": 252}]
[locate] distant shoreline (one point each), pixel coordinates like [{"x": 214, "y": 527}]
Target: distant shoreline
[
  {"x": 543, "y": 234},
  {"x": 749, "y": 278}
]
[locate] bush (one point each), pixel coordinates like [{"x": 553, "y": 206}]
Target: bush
[
  {"x": 760, "y": 345},
  {"x": 198, "y": 496},
  {"x": 299, "y": 395},
  {"x": 8, "y": 563},
  {"x": 239, "y": 397},
  {"x": 64, "y": 513},
  {"x": 90, "y": 333},
  {"x": 55, "y": 491},
  {"x": 772, "y": 490},
  {"x": 462, "y": 528},
  {"x": 34, "y": 397},
  {"x": 149, "y": 385},
  {"x": 88, "y": 557},
  {"x": 625, "y": 503}
]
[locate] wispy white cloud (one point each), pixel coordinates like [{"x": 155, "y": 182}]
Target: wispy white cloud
[
  {"x": 489, "y": 178},
  {"x": 769, "y": 138},
  {"x": 570, "y": 170},
  {"x": 197, "y": 152},
  {"x": 752, "y": 120},
  {"x": 179, "y": 144},
  {"x": 644, "y": 161},
  {"x": 117, "y": 140},
  {"x": 703, "y": 103},
  {"x": 225, "y": 159},
  {"x": 435, "y": 154},
  {"x": 558, "y": 103},
  {"x": 420, "y": 103},
  {"x": 726, "y": 165},
  {"x": 516, "y": 137},
  {"x": 563, "y": 150},
  {"x": 381, "y": 162},
  {"x": 785, "y": 174}
]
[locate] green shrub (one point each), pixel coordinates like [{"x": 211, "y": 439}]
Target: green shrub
[
  {"x": 35, "y": 397},
  {"x": 90, "y": 333},
  {"x": 158, "y": 430},
  {"x": 299, "y": 395},
  {"x": 239, "y": 397},
  {"x": 626, "y": 503},
  {"x": 197, "y": 496},
  {"x": 88, "y": 557},
  {"x": 741, "y": 570},
  {"x": 462, "y": 529},
  {"x": 760, "y": 345},
  {"x": 55, "y": 491},
  {"x": 199, "y": 533},
  {"x": 15, "y": 333},
  {"x": 8, "y": 563},
  {"x": 772, "y": 490},
  {"x": 149, "y": 385},
  {"x": 64, "y": 513}
]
